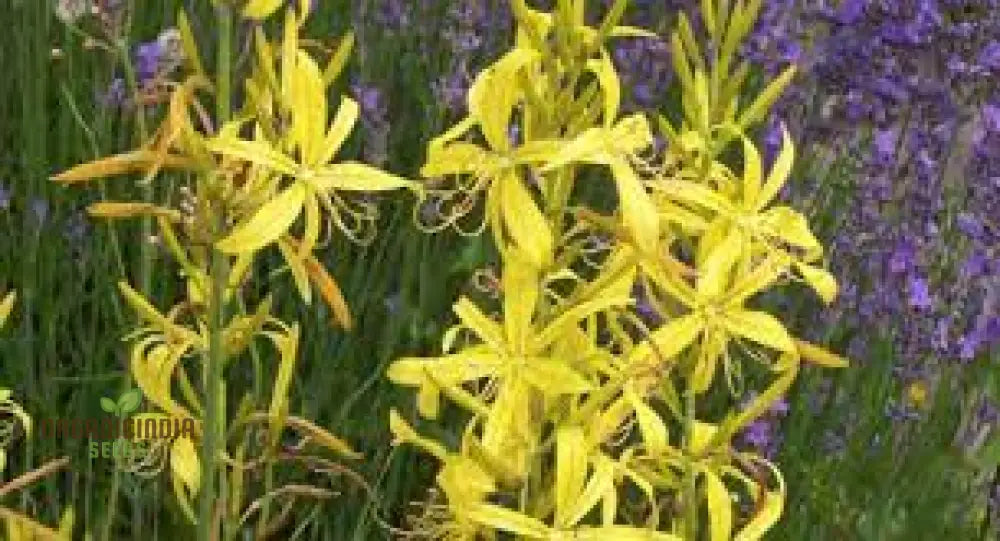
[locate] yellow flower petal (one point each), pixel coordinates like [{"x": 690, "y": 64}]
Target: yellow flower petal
[
  {"x": 257, "y": 152},
  {"x": 404, "y": 433},
  {"x": 637, "y": 209},
  {"x": 465, "y": 481},
  {"x": 449, "y": 369},
  {"x": 268, "y": 224},
  {"x": 474, "y": 319},
  {"x": 720, "y": 507},
  {"x": 554, "y": 377},
  {"x": 601, "y": 482},
  {"x": 604, "y": 68},
  {"x": 520, "y": 290},
  {"x": 760, "y": 327},
  {"x": 715, "y": 272},
  {"x": 819, "y": 356},
  {"x": 339, "y": 59},
  {"x": 506, "y": 520},
  {"x": 571, "y": 317},
  {"x": 308, "y": 109},
  {"x": 298, "y": 269},
  {"x": 358, "y": 177},
  {"x": 654, "y": 430},
  {"x": 701, "y": 436},
  {"x": 822, "y": 282},
  {"x": 120, "y": 164},
  {"x": 6, "y": 306},
  {"x": 330, "y": 292},
  {"x": 621, "y": 533},
  {"x": 792, "y": 227},
  {"x": 780, "y": 171},
  {"x": 184, "y": 464},
  {"x": 454, "y": 159},
  {"x": 525, "y": 222},
  {"x": 752, "y": 172},
  {"x": 571, "y": 468},
  {"x": 111, "y": 209},
  {"x": 261, "y": 9},
  {"x": 340, "y": 129},
  {"x": 494, "y": 93},
  {"x": 287, "y": 346},
  {"x": 670, "y": 339}
]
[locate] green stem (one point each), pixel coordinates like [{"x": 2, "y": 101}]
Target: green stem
[
  {"x": 215, "y": 420},
  {"x": 145, "y": 247},
  {"x": 145, "y": 253}
]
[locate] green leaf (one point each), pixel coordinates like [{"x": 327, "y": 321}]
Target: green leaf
[{"x": 760, "y": 106}]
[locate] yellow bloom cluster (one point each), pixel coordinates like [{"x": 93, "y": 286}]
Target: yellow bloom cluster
[
  {"x": 572, "y": 400},
  {"x": 254, "y": 177}
]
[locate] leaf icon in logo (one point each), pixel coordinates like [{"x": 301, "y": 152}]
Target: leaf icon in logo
[
  {"x": 109, "y": 405},
  {"x": 129, "y": 401}
]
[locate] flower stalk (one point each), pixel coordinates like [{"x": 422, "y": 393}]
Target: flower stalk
[
  {"x": 277, "y": 190},
  {"x": 215, "y": 407}
]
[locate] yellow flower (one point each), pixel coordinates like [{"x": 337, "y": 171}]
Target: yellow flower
[
  {"x": 291, "y": 170},
  {"x": 303, "y": 155},
  {"x": 916, "y": 393}
]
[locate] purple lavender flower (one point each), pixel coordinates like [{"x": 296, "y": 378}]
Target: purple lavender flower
[
  {"x": 5, "y": 197},
  {"x": 920, "y": 296},
  {"x": 470, "y": 29},
  {"x": 885, "y": 145},
  {"x": 991, "y": 117},
  {"x": 160, "y": 57},
  {"x": 989, "y": 57},
  {"x": 758, "y": 434},
  {"x": 647, "y": 312},
  {"x": 762, "y": 434},
  {"x": 975, "y": 266},
  {"x": 374, "y": 122},
  {"x": 450, "y": 91},
  {"x": 779, "y": 408},
  {"x": 850, "y": 11},
  {"x": 903, "y": 258},
  {"x": 147, "y": 60},
  {"x": 645, "y": 70}
]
